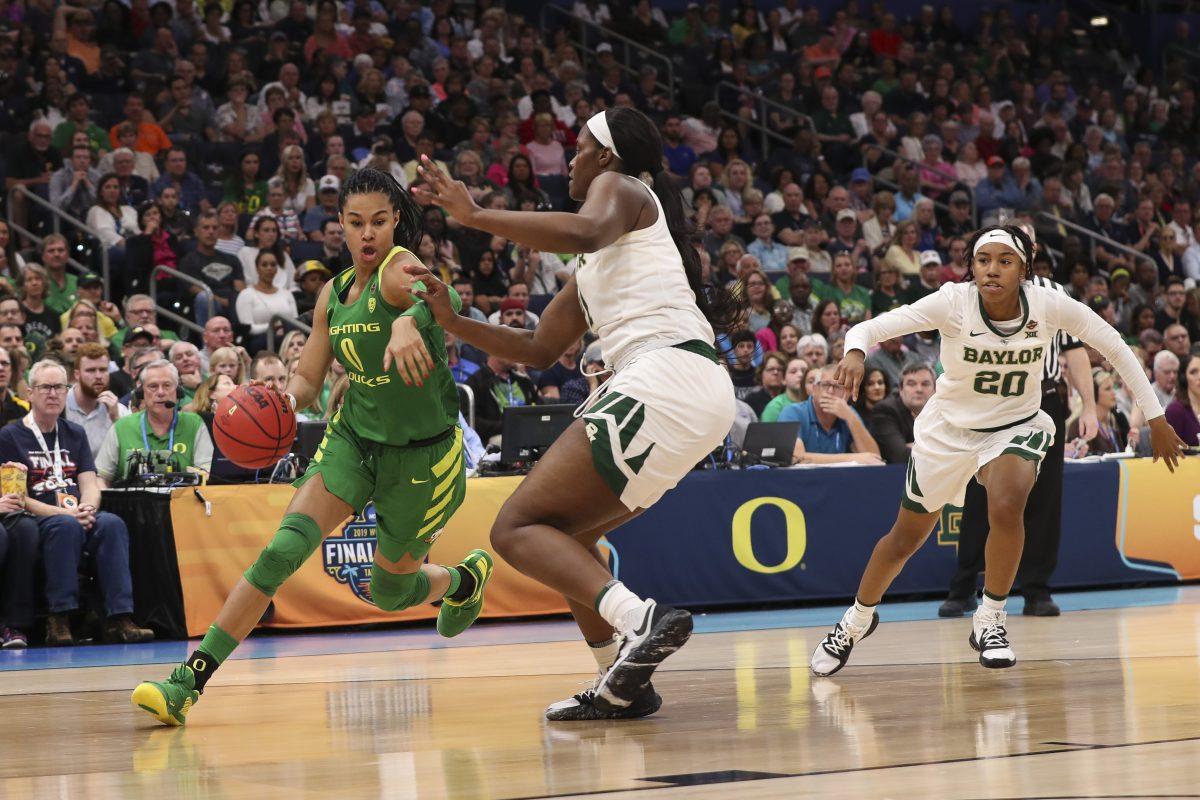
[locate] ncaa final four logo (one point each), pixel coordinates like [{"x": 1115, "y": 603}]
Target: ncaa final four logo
[{"x": 349, "y": 556}]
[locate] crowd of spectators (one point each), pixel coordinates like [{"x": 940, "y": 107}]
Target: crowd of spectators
[{"x": 213, "y": 139}]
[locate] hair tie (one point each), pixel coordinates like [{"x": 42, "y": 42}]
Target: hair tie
[{"x": 598, "y": 125}]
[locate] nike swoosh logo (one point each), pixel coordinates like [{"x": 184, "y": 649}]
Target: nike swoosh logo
[
  {"x": 981, "y": 333},
  {"x": 415, "y": 481},
  {"x": 641, "y": 629}
]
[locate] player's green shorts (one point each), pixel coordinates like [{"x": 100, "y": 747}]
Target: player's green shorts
[{"x": 415, "y": 489}]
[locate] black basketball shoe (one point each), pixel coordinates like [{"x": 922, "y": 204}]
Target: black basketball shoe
[{"x": 659, "y": 632}]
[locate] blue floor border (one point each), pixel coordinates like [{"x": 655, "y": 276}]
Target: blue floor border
[{"x": 485, "y": 634}]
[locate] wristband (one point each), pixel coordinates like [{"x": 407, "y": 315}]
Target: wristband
[{"x": 291, "y": 400}]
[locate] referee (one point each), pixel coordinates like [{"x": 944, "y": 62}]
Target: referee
[{"x": 1043, "y": 511}]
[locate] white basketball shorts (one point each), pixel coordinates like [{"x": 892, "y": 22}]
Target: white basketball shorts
[{"x": 945, "y": 457}]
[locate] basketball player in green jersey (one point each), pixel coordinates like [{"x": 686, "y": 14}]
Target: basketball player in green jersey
[{"x": 395, "y": 441}]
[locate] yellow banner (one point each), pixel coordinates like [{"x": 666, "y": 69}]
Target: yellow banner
[
  {"x": 331, "y": 587},
  {"x": 1158, "y": 517}
]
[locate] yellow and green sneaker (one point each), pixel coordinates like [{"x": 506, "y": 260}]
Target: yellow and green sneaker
[
  {"x": 170, "y": 700},
  {"x": 454, "y": 617}
]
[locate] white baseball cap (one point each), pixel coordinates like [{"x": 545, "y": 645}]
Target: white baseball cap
[
  {"x": 930, "y": 257},
  {"x": 329, "y": 183}
]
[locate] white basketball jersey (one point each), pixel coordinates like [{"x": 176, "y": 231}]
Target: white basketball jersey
[
  {"x": 992, "y": 377},
  {"x": 635, "y": 294}
]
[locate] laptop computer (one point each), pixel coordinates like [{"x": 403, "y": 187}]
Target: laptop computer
[
  {"x": 527, "y": 431},
  {"x": 770, "y": 443},
  {"x": 308, "y": 438}
]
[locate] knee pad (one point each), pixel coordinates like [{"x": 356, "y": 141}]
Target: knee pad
[
  {"x": 298, "y": 536},
  {"x": 392, "y": 592}
]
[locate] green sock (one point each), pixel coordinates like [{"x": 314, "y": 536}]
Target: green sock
[
  {"x": 455, "y": 580},
  {"x": 215, "y": 647}
]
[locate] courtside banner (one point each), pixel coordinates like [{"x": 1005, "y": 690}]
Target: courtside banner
[
  {"x": 730, "y": 538},
  {"x": 720, "y": 538},
  {"x": 1158, "y": 520},
  {"x": 333, "y": 586}
]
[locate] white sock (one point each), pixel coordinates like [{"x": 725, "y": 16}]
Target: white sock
[
  {"x": 605, "y": 653},
  {"x": 990, "y": 606},
  {"x": 616, "y": 603},
  {"x": 861, "y": 615}
]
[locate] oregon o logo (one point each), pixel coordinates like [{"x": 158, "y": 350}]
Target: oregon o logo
[{"x": 743, "y": 535}]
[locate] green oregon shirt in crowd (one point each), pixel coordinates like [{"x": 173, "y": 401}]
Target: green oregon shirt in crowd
[
  {"x": 60, "y": 298},
  {"x": 189, "y": 444},
  {"x": 378, "y": 405},
  {"x": 854, "y": 304}
]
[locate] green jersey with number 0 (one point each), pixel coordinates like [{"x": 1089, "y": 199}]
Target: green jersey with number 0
[{"x": 378, "y": 405}]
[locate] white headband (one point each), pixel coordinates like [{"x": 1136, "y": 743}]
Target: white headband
[
  {"x": 598, "y": 125},
  {"x": 1000, "y": 236}
]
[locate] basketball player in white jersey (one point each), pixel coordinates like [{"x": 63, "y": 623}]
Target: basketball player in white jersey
[
  {"x": 669, "y": 403},
  {"x": 984, "y": 421}
]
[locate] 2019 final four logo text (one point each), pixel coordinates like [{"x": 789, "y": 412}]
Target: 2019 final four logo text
[{"x": 349, "y": 555}]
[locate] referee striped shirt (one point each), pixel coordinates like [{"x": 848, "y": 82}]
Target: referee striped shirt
[{"x": 1061, "y": 343}]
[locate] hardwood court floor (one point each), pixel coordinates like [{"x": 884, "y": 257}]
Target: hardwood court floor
[{"x": 1103, "y": 703}]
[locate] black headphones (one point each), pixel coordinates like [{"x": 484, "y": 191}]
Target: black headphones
[{"x": 139, "y": 393}]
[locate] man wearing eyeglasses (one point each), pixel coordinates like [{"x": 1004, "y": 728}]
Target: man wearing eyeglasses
[
  {"x": 31, "y": 165},
  {"x": 831, "y": 432},
  {"x": 63, "y": 494}
]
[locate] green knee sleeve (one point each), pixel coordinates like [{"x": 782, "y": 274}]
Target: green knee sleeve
[
  {"x": 298, "y": 536},
  {"x": 392, "y": 592}
]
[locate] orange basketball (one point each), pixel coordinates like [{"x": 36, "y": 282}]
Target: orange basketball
[{"x": 254, "y": 427}]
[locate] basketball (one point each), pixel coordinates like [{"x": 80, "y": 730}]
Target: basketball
[{"x": 254, "y": 427}]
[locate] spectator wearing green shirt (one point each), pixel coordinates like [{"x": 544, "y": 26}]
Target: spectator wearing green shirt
[
  {"x": 854, "y": 300},
  {"x": 689, "y": 31},
  {"x": 180, "y": 437},
  {"x": 245, "y": 187},
  {"x": 77, "y": 119},
  {"x": 794, "y": 373},
  {"x": 140, "y": 312},
  {"x": 62, "y": 288}
]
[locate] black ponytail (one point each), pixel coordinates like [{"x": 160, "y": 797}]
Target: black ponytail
[
  {"x": 369, "y": 181},
  {"x": 1016, "y": 232},
  {"x": 637, "y": 138}
]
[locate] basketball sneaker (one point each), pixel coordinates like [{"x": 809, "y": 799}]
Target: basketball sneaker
[
  {"x": 582, "y": 707},
  {"x": 170, "y": 700},
  {"x": 650, "y": 634},
  {"x": 454, "y": 617},
  {"x": 834, "y": 650},
  {"x": 991, "y": 640}
]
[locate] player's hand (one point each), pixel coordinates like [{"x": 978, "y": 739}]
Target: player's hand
[
  {"x": 850, "y": 373},
  {"x": 407, "y": 350},
  {"x": 12, "y": 502},
  {"x": 1089, "y": 425},
  {"x": 449, "y": 195},
  {"x": 435, "y": 295},
  {"x": 1165, "y": 442}
]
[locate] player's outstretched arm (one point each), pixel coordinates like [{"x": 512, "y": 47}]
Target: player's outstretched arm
[
  {"x": 1084, "y": 324},
  {"x": 611, "y": 210},
  {"x": 561, "y": 324},
  {"x": 316, "y": 356}
]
